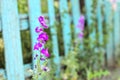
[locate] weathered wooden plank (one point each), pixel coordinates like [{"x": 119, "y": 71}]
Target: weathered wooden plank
[
  {"x": 23, "y": 21},
  {"x": 53, "y": 30},
  {"x": 75, "y": 13},
  {"x": 89, "y": 14},
  {"x": 109, "y": 46},
  {"x": 24, "y": 24},
  {"x": 65, "y": 18},
  {"x": 116, "y": 28},
  {"x": 27, "y": 72},
  {"x": 27, "y": 68},
  {"x": 88, "y": 8},
  {"x": 99, "y": 18},
  {"x": 0, "y": 16},
  {"x": 0, "y": 25},
  {"x": 100, "y": 27},
  {"x": 76, "y": 16},
  {"x": 34, "y": 13},
  {"x": 2, "y": 74},
  {"x": 11, "y": 36}
]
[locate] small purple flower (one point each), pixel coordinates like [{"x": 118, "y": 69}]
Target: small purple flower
[
  {"x": 38, "y": 29},
  {"x": 114, "y": 4},
  {"x": 80, "y": 35},
  {"x": 44, "y": 25},
  {"x": 81, "y": 23},
  {"x": 36, "y": 55},
  {"x": 43, "y": 36},
  {"x": 37, "y": 46},
  {"x": 34, "y": 58},
  {"x": 45, "y": 52},
  {"x": 42, "y": 39},
  {"x": 42, "y": 22},
  {"x": 42, "y": 59},
  {"x": 41, "y": 19},
  {"x": 44, "y": 68},
  {"x": 35, "y": 66}
]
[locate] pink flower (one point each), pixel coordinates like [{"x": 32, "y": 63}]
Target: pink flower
[
  {"x": 81, "y": 23},
  {"x": 37, "y": 46},
  {"x": 42, "y": 59},
  {"x": 38, "y": 29},
  {"x": 42, "y": 22},
  {"x": 41, "y": 19},
  {"x": 45, "y": 52},
  {"x": 43, "y": 37},
  {"x": 80, "y": 35},
  {"x": 114, "y": 4},
  {"x": 45, "y": 68}
]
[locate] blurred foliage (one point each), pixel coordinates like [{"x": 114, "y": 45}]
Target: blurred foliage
[
  {"x": 44, "y": 6},
  {"x": 117, "y": 55},
  {"x": 91, "y": 55},
  {"x": 2, "y": 61},
  {"x": 26, "y": 46},
  {"x": 23, "y": 6},
  {"x": 96, "y": 75}
]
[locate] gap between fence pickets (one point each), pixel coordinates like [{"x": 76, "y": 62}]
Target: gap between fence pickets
[
  {"x": 27, "y": 74},
  {"x": 0, "y": 23}
]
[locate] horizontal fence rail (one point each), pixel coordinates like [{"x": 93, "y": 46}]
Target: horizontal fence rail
[
  {"x": 27, "y": 73},
  {"x": 24, "y": 25}
]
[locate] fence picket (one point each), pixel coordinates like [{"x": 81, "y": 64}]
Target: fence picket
[
  {"x": 11, "y": 36},
  {"x": 53, "y": 28},
  {"x": 0, "y": 16},
  {"x": 34, "y": 13},
  {"x": 99, "y": 18},
  {"x": 109, "y": 46},
  {"x": 116, "y": 28},
  {"x": 89, "y": 14},
  {"x": 75, "y": 13},
  {"x": 100, "y": 25},
  {"x": 65, "y": 18}
]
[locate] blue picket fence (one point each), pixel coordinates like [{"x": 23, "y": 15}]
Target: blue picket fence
[{"x": 11, "y": 22}]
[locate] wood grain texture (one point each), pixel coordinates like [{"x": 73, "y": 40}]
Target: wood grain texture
[
  {"x": 27, "y": 73},
  {"x": 12, "y": 43},
  {"x": 89, "y": 14},
  {"x": 100, "y": 20},
  {"x": 34, "y": 13},
  {"x": 75, "y": 14},
  {"x": 109, "y": 46},
  {"x": 53, "y": 29},
  {"x": 116, "y": 28},
  {"x": 65, "y": 21}
]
